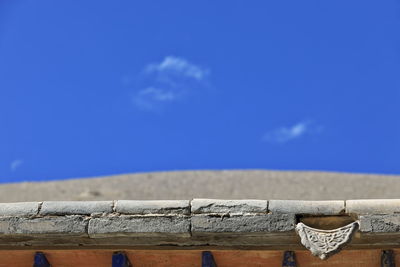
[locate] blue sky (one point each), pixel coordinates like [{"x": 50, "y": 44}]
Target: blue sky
[{"x": 95, "y": 88}]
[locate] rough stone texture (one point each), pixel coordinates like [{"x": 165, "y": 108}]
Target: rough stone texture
[
  {"x": 373, "y": 206},
  {"x": 243, "y": 224},
  {"x": 204, "y": 222},
  {"x": 75, "y": 207},
  {"x": 306, "y": 207},
  {"x": 153, "y": 207},
  {"x": 380, "y": 223},
  {"x": 219, "y": 206},
  {"x": 43, "y": 225},
  {"x": 139, "y": 225},
  {"x": 19, "y": 209}
]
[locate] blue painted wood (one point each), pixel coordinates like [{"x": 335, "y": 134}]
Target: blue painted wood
[
  {"x": 387, "y": 258},
  {"x": 40, "y": 260},
  {"x": 207, "y": 259},
  {"x": 119, "y": 259},
  {"x": 289, "y": 259}
]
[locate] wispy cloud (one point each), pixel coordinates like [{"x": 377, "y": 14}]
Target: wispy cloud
[
  {"x": 146, "y": 98},
  {"x": 286, "y": 134},
  {"x": 167, "y": 82},
  {"x": 15, "y": 164},
  {"x": 180, "y": 66}
]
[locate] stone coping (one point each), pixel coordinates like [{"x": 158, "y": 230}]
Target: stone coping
[{"x": 197, "y": 222}]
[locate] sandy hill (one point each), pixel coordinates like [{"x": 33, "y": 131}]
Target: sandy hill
[{"x": 237, "y": 184}]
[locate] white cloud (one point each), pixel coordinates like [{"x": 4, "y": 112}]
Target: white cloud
[
  {"x": 166, "y": 82},
  {"x": 150, "y": 97},
  {"x": 158, "y": 94},
  {"x": 286, "y": 134},
  {"x": 15, "y": 164},
  {"x": 179, "y": 66}
]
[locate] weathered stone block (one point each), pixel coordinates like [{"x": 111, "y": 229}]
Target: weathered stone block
[
  {"x": 153, "y": 207},
  {"x": 373, "y": 206},
  {"x": 380, "y": 223},
  {"x": 19, "y": 209},
  {"x": 307, "y": 207},
  {"x": 126, "y": 225},
  {"x": 229, "y": 206},
  {"x": 202, "y": 224},
  {"x": 43, "y": 226},
  {"x": 75, "y": 207}
]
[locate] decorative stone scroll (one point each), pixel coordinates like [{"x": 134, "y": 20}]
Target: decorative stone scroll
[{"x": 324, "y": 243}]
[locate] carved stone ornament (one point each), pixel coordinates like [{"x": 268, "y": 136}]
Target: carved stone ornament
[{"x": 324, "y": 243}]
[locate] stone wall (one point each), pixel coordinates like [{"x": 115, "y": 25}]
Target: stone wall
[{"x": 199, "y": 222}]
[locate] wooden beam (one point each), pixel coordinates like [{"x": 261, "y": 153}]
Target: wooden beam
[
  {"x": 192, "y": 258},
  {"x": 207, "y": 259}
]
